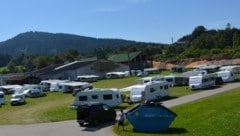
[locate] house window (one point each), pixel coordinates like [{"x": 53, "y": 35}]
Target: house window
[
  {"x": 117, "y": 96},
  {"x": 94, "y": 97},
  {"x": 82, "y": 98},
  {"x": 107, "y": 97}
]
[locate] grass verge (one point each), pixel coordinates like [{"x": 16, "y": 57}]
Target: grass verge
[{"x": 216, "y": 115}]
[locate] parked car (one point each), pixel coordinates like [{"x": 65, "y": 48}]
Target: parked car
[
  {"x": 17, "y": 99},
  {"x": 32, "y": 93},
  {"x": 95, "y": 113}
]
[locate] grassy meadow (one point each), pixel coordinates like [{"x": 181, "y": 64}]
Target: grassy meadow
[{"x": 215, "y": 115}]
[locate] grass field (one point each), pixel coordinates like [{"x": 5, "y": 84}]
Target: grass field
[
  {"x": 216, "y": 115},
  {"x": 54, "y": 107}
]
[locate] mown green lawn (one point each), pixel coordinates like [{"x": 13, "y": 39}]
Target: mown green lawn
[
  {"x": 216, "y": 115},
  {"x": 54, "y": 107}
]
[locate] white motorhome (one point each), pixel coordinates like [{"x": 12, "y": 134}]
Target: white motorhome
[
  {"x": 69, "y": 87},
  {"x": 202, "y": 81},
  {"x": 227, "y": 76},
  {"x": 151, "y": 91},
  {"x": 2, "y": 98},
  {"x": 109, "y": 96}
]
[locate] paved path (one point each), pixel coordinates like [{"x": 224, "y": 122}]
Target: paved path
[
  {"x": 202, "y": 94},
  {"x": 71, "y": 128}
]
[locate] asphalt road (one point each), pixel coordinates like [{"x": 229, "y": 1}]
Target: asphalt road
[{"x": 71, "y": 128}]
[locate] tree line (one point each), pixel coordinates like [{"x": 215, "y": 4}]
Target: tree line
[
  {"x": 200, "y": 44},
  {"x": 204, "y": 44}
]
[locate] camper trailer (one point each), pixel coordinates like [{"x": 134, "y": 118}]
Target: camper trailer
[
  {"x": 108, "y": 96},
  {"x": 202, "y": 81},
  {"x": 2, "y": 98},
  {"x": 115, "y": 75},
  {"x": 234, "y": 69},
  {"x": 9, "y": 89},
  {"x": 149, "y": 80},
  {"x": 69, "y": 87},
  {"x": 175, "y": 80},
  {"x": 87, "y": 78},
  {"x": 147, "y": 92},
  {"x": 227, "y": 76},
  {"x": 51, "y": 85}
]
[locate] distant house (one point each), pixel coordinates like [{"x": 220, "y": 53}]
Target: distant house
[
  {"x": 22, "y": 79},
  {"x": 71, "y": 70},
  {"x": 135, "y": 60}
]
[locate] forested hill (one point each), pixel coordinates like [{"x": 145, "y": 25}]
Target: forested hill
[
  {"x": 204, "y": 44},
  {"x": 43, "y": 43}
]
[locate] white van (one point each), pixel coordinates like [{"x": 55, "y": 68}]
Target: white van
[
  {"x": 202, "y": 81},
  {"x": 147, "y": 92},
  {"x": 2, "y": 98},
  {"x": 108, "y": 96}
]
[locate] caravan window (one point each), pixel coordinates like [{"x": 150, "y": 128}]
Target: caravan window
[
  {"x": 166, "y": 87},
  {"x": 161, "y": 87},
  {"x": 82, "y": 98},
  {"x": 94, "y": 97},
  {"x": 152, "y": 90},
  {"x": 107, "y": 97}
]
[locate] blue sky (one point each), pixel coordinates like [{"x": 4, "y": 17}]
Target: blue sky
[{"x": 139, "y": 20}]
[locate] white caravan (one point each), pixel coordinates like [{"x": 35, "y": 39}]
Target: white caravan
[
  {"x": 147, "y": 92},
  {"x": 202, "y": 81},
  {"x": 227, "y": 76},
  {"x": 109, "y": 96},
  {"x": 176, "y": 80},
  {"x": 10, "y": 89},
  {"x": 234, "y": 69},
  {"x": 51, "y": 85},
  {"x": 115, "y": 75},
  {"x": 149, "y": 80},
  {"x": 2, "y": 98},
  {"x": 69, "y": 87},
  {"x": 87, "y": 78}
]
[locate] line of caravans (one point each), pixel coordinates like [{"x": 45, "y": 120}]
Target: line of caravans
[{"x": 64, "y": 86}]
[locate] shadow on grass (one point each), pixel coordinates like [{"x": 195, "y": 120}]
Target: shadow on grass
[
  {"x": 175, "y": 131},
  {"x": 170, "y": 131}
]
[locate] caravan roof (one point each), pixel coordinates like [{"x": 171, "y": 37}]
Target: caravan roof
[{"x": 74, "y": 83}]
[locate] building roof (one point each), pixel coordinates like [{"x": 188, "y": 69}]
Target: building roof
[{"x": 124, "y": 57}]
